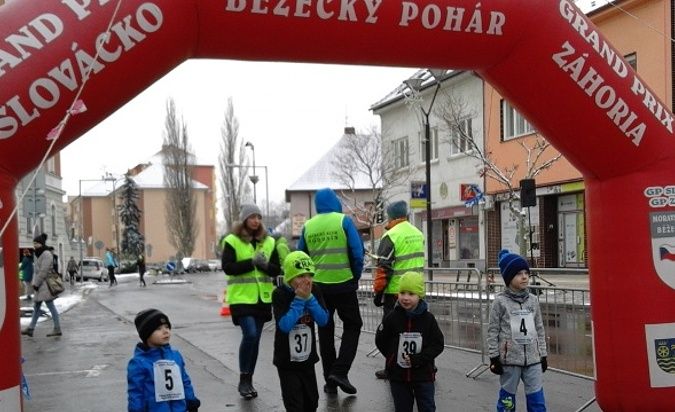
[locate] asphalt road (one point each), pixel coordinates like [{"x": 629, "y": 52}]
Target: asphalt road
[{"x": 85, "y": 369}]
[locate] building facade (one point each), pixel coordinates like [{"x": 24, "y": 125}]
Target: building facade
[
  {"x": 93, "y": 213},
  {"x": 458, "y": 231}
]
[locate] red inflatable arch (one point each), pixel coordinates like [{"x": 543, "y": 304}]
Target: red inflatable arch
[{"x": 544, "y": 56}]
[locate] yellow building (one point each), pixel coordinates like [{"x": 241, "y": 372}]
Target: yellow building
[{"x": 93, "y": 214}]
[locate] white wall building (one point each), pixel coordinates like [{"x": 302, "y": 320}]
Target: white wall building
[{"x": 458, "y": 231}]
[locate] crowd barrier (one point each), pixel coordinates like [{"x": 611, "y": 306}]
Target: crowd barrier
[{"x": 460, "y": 299}]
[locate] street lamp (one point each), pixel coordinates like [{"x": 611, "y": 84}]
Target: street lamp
[
  {"x": 267, "y": 188},
  {"x": 254, "y": 177},
  {"x": 415, "y": 87},
  {"x": 110, "y": 178}
]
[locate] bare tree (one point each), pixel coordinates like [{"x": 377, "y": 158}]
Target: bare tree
[
  {"x": 180, "y": 202},
  {"x": 233, "y": 166},
  {"x": 539, "y": 156},
  {"x": 364, "y": 163}
]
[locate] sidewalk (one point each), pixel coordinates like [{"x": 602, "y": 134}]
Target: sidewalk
[{"x": 87, "y": 366}]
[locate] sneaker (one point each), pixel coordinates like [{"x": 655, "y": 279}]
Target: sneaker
[
  {"x": 54, "y": 333},
  {"x": 330, "y": 388},
  {"x": 27, "y": 332},
  {"x": 343, "y": 383},
  {"x": 381, "y": 374}
]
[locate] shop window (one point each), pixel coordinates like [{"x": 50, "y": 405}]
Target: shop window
[{"x": 469, "y": 243}]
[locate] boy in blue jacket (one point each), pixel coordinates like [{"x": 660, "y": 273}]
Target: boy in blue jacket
[
  {"x": 297, "y": 306},
  {"x": 153, "y": 357}
]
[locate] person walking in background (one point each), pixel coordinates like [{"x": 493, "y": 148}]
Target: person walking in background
[
  {"x": 71, "y": 268},
  {"x": 44, "y": 267},
  {"x": 154, "y": 359},
  {"x": 111, "y": 264},
  {"x": 516, "y": 339},
  {"x": 401, "y": 250},
  {"x": 140, "y": 263},
  {"x": 410, "y": 339},
  {"x": 330, "y": 238},
  {"x": 250, "y": 261},
  {"x": 297, "y": 305},
  {"x": 26, "y": 268}
]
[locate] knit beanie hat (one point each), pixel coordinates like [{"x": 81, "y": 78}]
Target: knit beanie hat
[
  {"x": 397, "y": 210},
  {"x": 248, "y": 210},
  {"x": 297, "y": 263},
  {"x": 412, "y": 282},
  {"x": 147, "y": 321},
  {"x": 510, "y": 264},
  {"x": 41, "y": 239}
]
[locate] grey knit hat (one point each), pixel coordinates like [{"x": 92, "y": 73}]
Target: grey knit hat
[{"x": 247, "y": 211}]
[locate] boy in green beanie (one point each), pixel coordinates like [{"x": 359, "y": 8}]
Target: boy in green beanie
[
  {"x": 297, "y": 305},
  {"x": 410, "y": 339}
]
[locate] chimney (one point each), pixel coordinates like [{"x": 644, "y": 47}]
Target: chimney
[{"x": 350, "y": 130}]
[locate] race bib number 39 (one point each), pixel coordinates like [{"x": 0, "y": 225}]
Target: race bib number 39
[
  {"x": 522, "y": 327},
  {"x": 300, "y": 342},
  {"x": 408, "y": 343},
  {"x": 168, "y": 381}
]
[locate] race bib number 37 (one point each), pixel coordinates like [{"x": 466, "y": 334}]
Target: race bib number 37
[
  {"x": 522, "y": 327},
  {"x": 168, "y": 381},
  {"x": 300, "y": 342}
]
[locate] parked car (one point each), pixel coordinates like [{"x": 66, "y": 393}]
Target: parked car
[
  {"x": 93, "y": 268},
  {"x": 193, "y": 265},
  {"x": 215, "y": 265}
]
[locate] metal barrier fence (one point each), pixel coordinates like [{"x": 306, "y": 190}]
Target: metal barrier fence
[{"x": 461, "y": 301}]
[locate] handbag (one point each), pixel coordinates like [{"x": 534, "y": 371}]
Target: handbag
[{"x": 55, "y": 284}]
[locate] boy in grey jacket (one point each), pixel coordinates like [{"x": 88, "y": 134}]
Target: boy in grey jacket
[{"x": 516, "y": 339}]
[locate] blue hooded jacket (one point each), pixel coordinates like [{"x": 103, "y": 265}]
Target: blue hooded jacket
[
  {"x": 141, "y": 382},
  {"x": 326, "y": 201}
]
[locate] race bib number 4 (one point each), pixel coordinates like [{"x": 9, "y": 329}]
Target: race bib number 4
[
  {"x": 522, "y": 327},
  {"x": 300, "y": 342},
  {"x": 409, "y": 343},
  {"x": 168, "y": 381}
]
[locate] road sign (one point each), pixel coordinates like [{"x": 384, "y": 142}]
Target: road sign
[{"x": 418, "y": 195}]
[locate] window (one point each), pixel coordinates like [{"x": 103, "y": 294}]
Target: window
[
  {"x": 53, "y": 220},
  {"x": 401, "y": 158},
  {"x": 434, "y": 144},
  {"x": 513, "y": 123},
  {"x": 51, "y": 165},
  {"x": 631, "y": 59},
  {"x": 29, "y": 225},
  {"x": 459, "y": 137}
]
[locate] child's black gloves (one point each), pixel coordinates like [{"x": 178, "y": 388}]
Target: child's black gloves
[
  {"x": 193, "y": 405},
  {"x": 544, "y": 364},
  {"x": 496, "y": 366},
  {"x": 378, "y": 300}
]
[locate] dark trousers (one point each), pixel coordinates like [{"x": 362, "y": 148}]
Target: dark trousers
[
  {"x": 111, "y": 275},
  {"x": 347, "y": 307},
  {"x": 140, "y": 275},
  {"x": 299, "y": 389},
  {"x": 406, "y": 393}
]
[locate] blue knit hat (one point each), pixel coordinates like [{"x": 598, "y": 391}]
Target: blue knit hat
[
  {"x": 510, "y": 264},
  {"x": 397, "y": 210}
]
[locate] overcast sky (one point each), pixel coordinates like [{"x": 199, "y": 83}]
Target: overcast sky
[{"x": 293, "y": 113}]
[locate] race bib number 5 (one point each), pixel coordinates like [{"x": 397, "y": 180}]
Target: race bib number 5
[
  {"x": 168, "y": 381},
  {"x": 300, "y": 342},
  {"x": 522, "y": 327},
  {"x": 408, "y": 343}
]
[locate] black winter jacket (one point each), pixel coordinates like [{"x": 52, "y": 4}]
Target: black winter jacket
[{"x": 389, "y": 333}]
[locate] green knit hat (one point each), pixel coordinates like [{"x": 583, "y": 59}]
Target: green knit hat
[
  {"x": 412, "y": 282},
  {"x": 297, "y": 263}
]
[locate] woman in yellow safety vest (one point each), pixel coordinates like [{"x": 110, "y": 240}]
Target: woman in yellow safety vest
[{"x": 250, "y": 262}]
